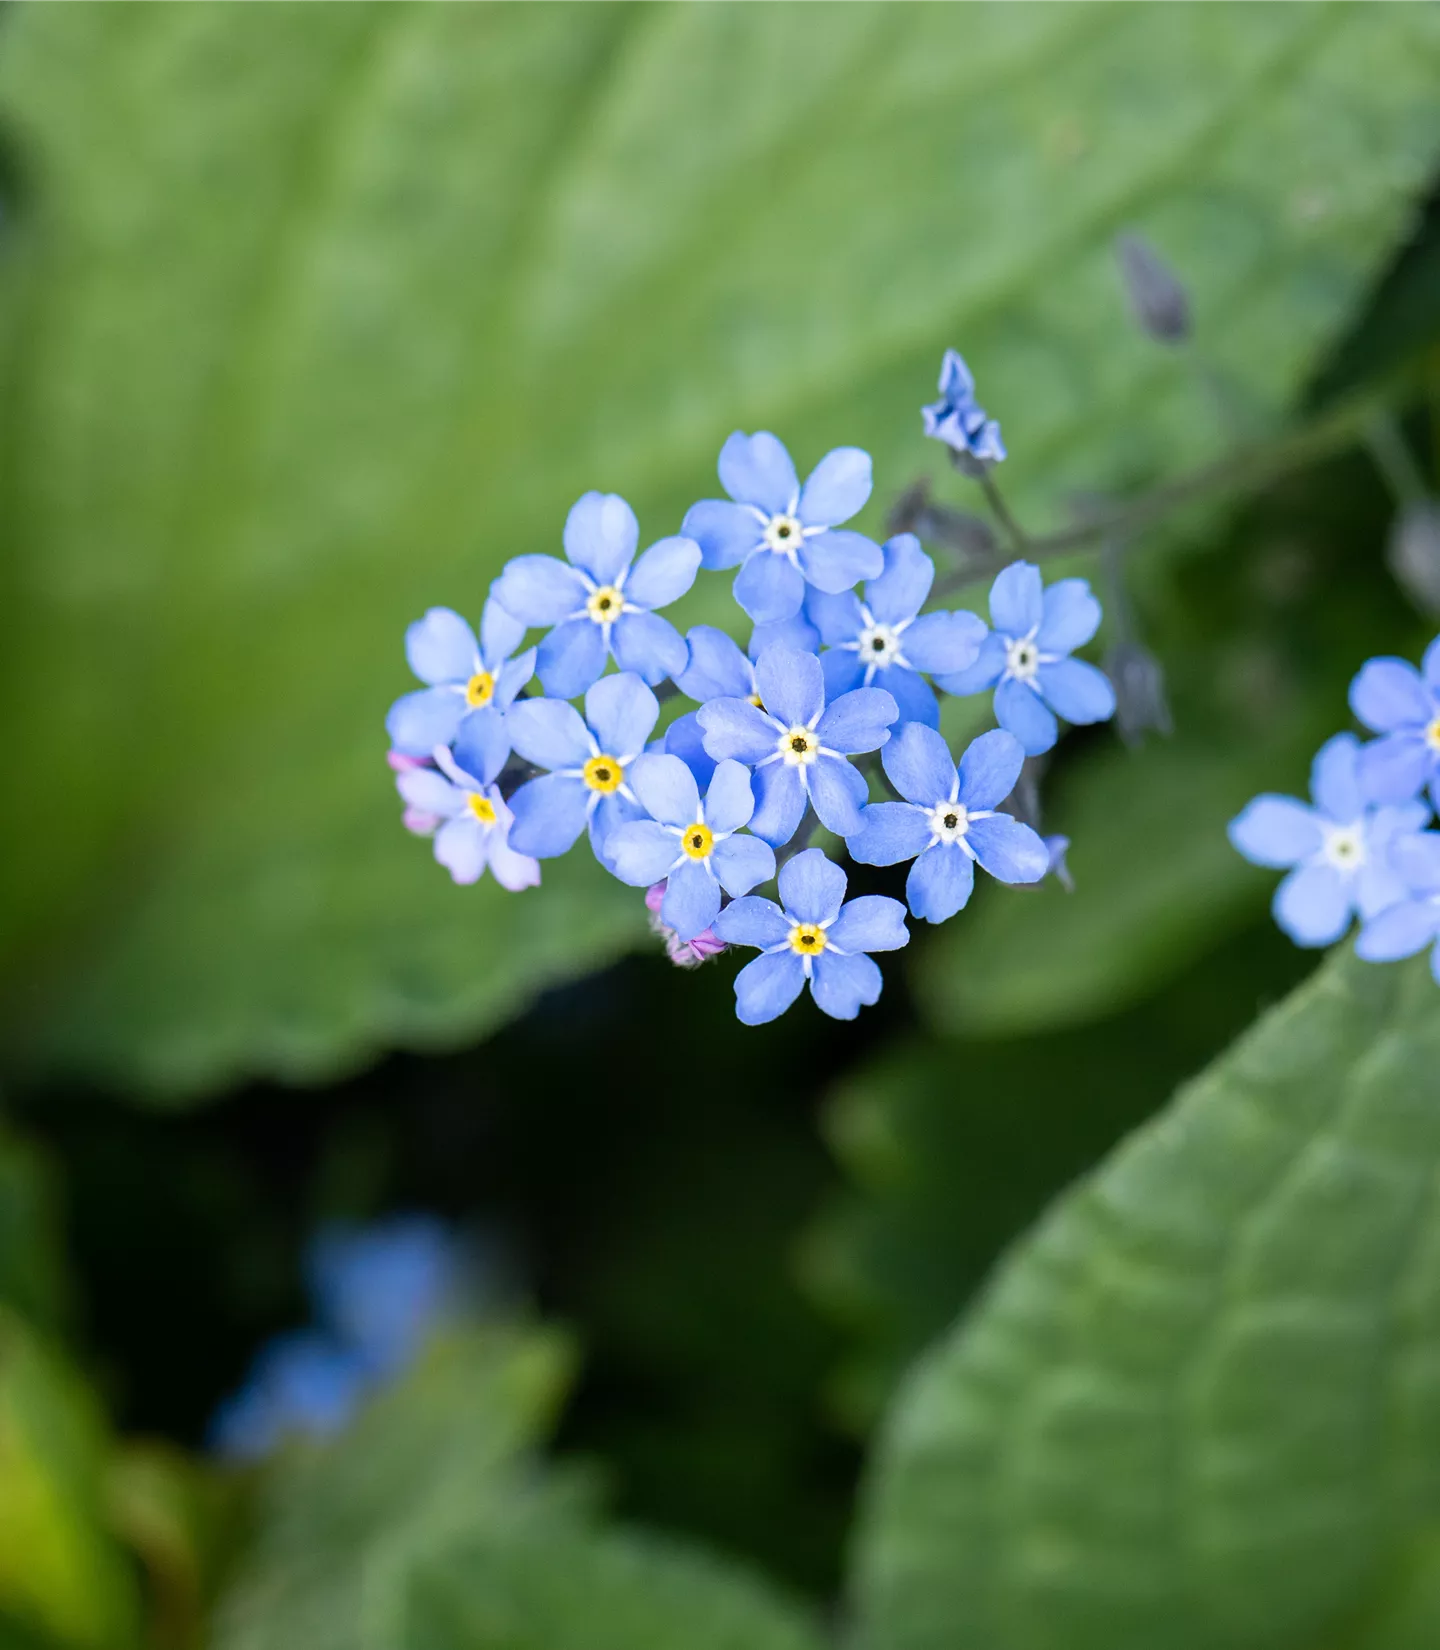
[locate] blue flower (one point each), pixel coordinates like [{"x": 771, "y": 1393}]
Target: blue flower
[
  {"x": 957, "y": 418},
  {"x": 797, "y": 745},
  {"x": 1401, "y": 704},
  {"x": 464, "y": 800},
  {"x": 782, "y": 535},
  {"x": 1339, "y": 852},
  {"x": 463, "y": 674},
  {"x": 949, "y": 820},
  {"x": 692, "y": 846},
  {"x": 815, "y": 938},
  {"x": 598, "y": 603},
  {"x": 589, "y": 761},
  {"x": 302, "y": 1384},
  {"x": 881, "y": 641},
  {"x": 1413, "y": 922},
  {"x": 1025, "y": 658}
]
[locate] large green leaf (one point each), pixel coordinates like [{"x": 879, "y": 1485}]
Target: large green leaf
[
  {"x": 1201, "y": 1405},
  {"x": 319, "y": 313}
]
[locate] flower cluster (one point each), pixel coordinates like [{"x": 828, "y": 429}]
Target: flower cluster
[
  {"x": 834, "y": 695},
  {"x": 1361, "y": 848}
]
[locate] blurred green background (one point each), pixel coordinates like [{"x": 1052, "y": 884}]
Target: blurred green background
[{"x": 311, "y": 317}]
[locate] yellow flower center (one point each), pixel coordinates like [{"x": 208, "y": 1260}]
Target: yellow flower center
[
  {"x": 605, "y": 604},
  {"x": 603, "y": 774},
  {"x": 798, "y": 746},
  {"x": 482, "y": 807},
  {"x": 697, "y": 841},
  {"x": 1432, "y": 735},
  {"x": 479, "y": 690},
  {"x": 807, "y": 939}
]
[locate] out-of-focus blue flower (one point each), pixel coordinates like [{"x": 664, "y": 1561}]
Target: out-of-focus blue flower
[
  {"x": 1401, "y": 704},
  {"x": 782, "y": 535},
  {"x": 472, "y": 820},
  {"x": 693, "y": 846},
  {"x": 301, "y": 1385},
  {"x": 1026, "y": 657},
  {"x": 948, "y": 821},
  {"x": 882, "y": 641},
  {"x": 588, "y": 760},
  {"x": 597, "y": 602},
  {"x": 1339, "y": 852},
  {"x": 797, "y": 745},
  {"x": 957, "y": 418},
  {"x": 815, "y": 938},
  {"x": 1412, "y": 923},
  {"x": 464, "y": 675}
]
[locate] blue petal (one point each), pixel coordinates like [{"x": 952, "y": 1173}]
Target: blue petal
[
  {"x": 664, "y": 573},
  {"x": 717, "y": 668},
  {"x": 734, "y": 728},
  {"x": 441, "y": 647},
  {"x": 769, "y": 587},
  {"x": 956, "y": 382},
  {"x": 1009, "y": 851},
  {"x": 780, "y": 802},
  {"x": 837, "y": 618},
  {"x": 1430, "y": 668},
  {"x": 1077, "y": 691},
  {"x": 1017, "y": 600},
  {"x": 550, "y": 813},
  {"x": 1019, "y": 710},
  {"x": 756, "y": 469},
  {"x": 1335, "y": 779},
  {"x": 792, "y": 684},
  {"x": 988, "y": 668},
  {"x": 796, "y": 632},
  {"x": 666, "y": 789},
  {"x": 621, "y": 712},
  {"x": 1389, "y": 694},
  {"x": 648, "y": 645},
  {"x": 889, "y": 833},
  {"x": 742, "y": 863},
  {"x": 832, "y": 795},
  {"x": 911, "y": 693},
  {"x": 685, "y": 739},
  {"x": 482, "y": 744},
  {"x": 610, "y": 814},
  {"x": 918, "y": 764},
  {"x": 1395, "y": 767},
  {"x": 431, "y": 792},
  {"x": 540, "y": 590},
  {"x": 870, "y": 923},
  {"x": 725, "y": 532},
  {"x": 500, "y": 634},
  {"x": 1400, "y": 931},
  {"x": 513, "y": 871},
  {"x": 842, "y": 671},
  {"x": 857, "y": 721},
  {"x": 1275, "y": 831},
  {"x": 811, "y": 887},
  {"x": 940, "y": 881},
  {"x": 1071, "y": 617},
  {"x": 944, "y": 644},
  {"x": 989, "y": 769},
  {"x": 571, "y": 657},
  {"x": 1417, "y": 858},
  {"x": 765, "y": 988},
  {"x": 511, "y": 677},
  {"x": 838, "y": 488},
  {"x": 729, "y": 802},
  {"x": 836, "y": 560},
  {"x": 1312, "y": 904},
  {"x": 842, "y": 986},
  {"x": 900, "y": 591},
  {"x": 462, "y": 846},
  {"x": 601, "y": 533},
  {"x": 692, "y": 899},
  {"x": 420, "y": 721},
  {"x": 752, "y": 921},
  {"x": 548, "y": 732}
]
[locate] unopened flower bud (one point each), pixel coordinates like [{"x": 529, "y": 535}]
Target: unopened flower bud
[
  {"x": 1158, "y": 301},
  {"x": 1139, "y": 682},
  {"x": 1413, "y": 552},
  {"x": 683, "y": 953}
]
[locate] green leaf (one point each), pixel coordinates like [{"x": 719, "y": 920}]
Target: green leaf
[
  {"x": 317, "y": 314},
  {"x": 1200, "y": 1406},
  {"x": 32, "y": 1277}
]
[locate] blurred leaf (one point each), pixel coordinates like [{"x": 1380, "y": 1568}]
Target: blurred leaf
[
  {"x": 319, "y": 313},
  {"x": 32, "y": 1277},
  {"x": 1201, "y": 1406}
]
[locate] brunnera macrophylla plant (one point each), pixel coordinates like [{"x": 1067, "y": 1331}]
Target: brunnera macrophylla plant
[{"x": 833, "y": 700}]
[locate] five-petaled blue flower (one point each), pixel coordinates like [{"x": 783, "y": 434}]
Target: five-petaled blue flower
[
  {"x": 587, "y": 784},
  {"x": 476, "y": 822},
  {"x": 1025, "y": 658},
  {"x": 464, "y": 675},
  {"x": 784, "y": 534},
  {"x": 882, "y": 642},
  {"x": 1412, "y": 923},
  {"x": 949, "y": 819},
  {"x": 797, "y": 745},
  {"x": 598, "y": 603},
  {"x": 691, "y": 845},
  {"x": 1401, "y": 704},
  {"x": 1339, "y": 852},
  {"x": 815, "y": 938},
  {"x": 957, "y": 418}
]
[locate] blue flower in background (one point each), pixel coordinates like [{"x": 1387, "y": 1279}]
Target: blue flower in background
[
  {"x": 882, "y": 642},
  {"x": 948, "y": 821},
  {"x": 1025, "y": 658},
  {"x": 798, "y": 745},
  {"x": 472, "y": 819},
  {"x": 598, "y": 603},
  {"x": 957, "y": 418},
  {"x": 781, "y": 535},
  {"x": 588, "y": 761},
  {"x": 815, "y": 938},
  {"x": 1401, "y": 704},
  {"x": 300, "y": 1385},
  {"x": 464, "y": 675},
  {"x": 692, "y": 846},
  {"x": 1338, "y": 852},
  {"x": 1413, "y": 922}
]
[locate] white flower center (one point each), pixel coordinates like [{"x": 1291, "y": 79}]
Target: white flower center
[
  {"x": 605, "y": 605},
  {"x": 879, "y": 646},
  {"x": 949, "y": 821},
  {"x": 783, "y": 534},
  {"x": 1345, "y": 847},
  {"x": 1022, "y": 658},
  {"x": 798, "y": 746}
]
